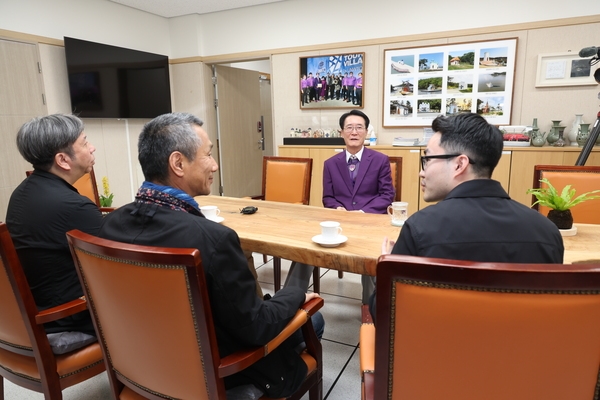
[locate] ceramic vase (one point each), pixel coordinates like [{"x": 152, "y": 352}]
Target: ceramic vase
[
  {"x": 572, "y": 135},
  {"x": 553, "y": 135},
  {"x": 583, "y": 134},
  {"x": 560, "y": 142},
  {"x": 538, "y": 138}
]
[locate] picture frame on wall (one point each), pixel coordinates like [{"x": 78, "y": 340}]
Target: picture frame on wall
[
  {"x": 332, "y": 81},
  {"x": 563, "y": 69},
  {"x": 425, "y": 82}
]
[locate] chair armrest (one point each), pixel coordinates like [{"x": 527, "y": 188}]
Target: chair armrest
[
  {"x": 61, "y": 311},
  {"x": 368, "y": 386},
  {"x": 239, "y": 360},
  {"x": 367, "y": 348}
]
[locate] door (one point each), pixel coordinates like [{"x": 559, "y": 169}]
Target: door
[{"x": 239, "y": 138}]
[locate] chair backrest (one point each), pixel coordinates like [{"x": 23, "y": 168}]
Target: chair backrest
[
  {"x": 396, "y": 167},
  {"x": 464, "y": 330},
  {"x": 150, "y": 308},
  {"x": 86, "y": 186},
  {"x": 14, "y": 334},
  {"x": 287, "y": 179},
  {"x": 581, "y": 178}
]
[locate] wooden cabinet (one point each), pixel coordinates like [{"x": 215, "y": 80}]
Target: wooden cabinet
[{"x": 514, "y": 171}]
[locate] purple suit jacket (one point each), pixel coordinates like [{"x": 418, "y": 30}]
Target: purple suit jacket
[{"x": 373, "y": 191}]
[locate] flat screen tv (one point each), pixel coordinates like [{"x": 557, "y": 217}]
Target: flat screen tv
[{"x": 114, "y": 82}]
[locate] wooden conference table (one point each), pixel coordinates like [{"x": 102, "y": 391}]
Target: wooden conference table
[{"x": 286, "y": 230}]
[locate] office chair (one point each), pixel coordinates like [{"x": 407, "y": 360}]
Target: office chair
[
  {"x": 26, "y": 358},
  {"x": 151, "y": 310},
  {"x": 287, "y": 180},
  {"x": 581, "y": 178},
  {"x": 466, "y": 330}
]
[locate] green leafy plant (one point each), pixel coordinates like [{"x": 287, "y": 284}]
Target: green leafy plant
[
  {"x": 106, "y": 198},
  {"x": 549, "y": 196}
]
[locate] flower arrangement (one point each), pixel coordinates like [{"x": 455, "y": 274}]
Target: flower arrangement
[
  {"x": 106, "y": 198},
  {"x": 560, "y": 204}
]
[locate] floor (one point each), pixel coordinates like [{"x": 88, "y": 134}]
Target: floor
[{"x": 341, "y": 378}]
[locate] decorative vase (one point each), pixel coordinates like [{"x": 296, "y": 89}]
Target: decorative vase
[
  {"x": 584, "y": 133},
  {"x": 572, "y": 135},
  {"x": 553, "y": 135},
  {"x": 537, "y": 138},
  {"x": 560, "y": 142},
  {"x": 562, "y": 219}
]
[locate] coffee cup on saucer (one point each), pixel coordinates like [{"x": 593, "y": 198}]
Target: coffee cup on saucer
[
  {"x": 398, "y": 210},
  {"x": 210, "y": 212},
  {"x": 330, "y": 230}
]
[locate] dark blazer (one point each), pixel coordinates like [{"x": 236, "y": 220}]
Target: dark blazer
[
  {"x": 373, "y": 191},
  {"x": 241, "y": 318}
]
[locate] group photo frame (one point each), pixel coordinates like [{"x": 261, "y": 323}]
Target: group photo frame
[
  {"x": 425, "y": 82},
  {"x": 332, "y": 81}
]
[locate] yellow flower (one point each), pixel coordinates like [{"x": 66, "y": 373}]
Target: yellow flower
[
  {"x": 106, "y": 198},
  {"x": 105, "y": 187}
]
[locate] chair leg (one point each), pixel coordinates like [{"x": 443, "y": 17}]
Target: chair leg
[
  {"x": 264, "y": 258},
  {"x": 1, "y": 387},
  {"x": 316, "y": 280},
  {"x": 277, "y": 273},
  {"x": 340, "y": 274}
]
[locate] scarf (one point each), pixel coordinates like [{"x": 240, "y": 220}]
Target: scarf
[{"x": 167, "y": 196}]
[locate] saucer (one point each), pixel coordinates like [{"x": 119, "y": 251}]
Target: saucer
[
  {"x": 400, "y": 223},
  {"x": 327, "y": 243},
  {"x": 218, "y": 220}
]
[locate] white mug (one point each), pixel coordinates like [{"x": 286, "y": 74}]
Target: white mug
[
  {"x": 330, "y": 230},
  {"x": 210, "y": 212},
  {"x": 398, "y": 210}
]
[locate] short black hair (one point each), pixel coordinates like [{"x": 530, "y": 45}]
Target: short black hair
[
  {"x": 357, "y": 113},
  {"x": 472, "y": 135}
]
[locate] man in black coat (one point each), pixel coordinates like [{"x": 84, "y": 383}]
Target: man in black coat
[{"x": 175, "y": 154}]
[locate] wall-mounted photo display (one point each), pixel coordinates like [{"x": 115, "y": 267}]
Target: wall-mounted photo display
[
  {"x": 332, "y": 81},
  {"x": 422, "y": 83}
]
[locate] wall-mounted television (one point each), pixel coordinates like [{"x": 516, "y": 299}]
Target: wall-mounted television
[{"x": 114, "y": 82}]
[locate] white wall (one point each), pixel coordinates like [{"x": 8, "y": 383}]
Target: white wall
[
  {"x": 95, "y": 20},
  {"x": 271, "y": 26}
]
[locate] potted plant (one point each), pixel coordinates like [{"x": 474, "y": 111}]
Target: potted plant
[{"x": 560, "y": 204}]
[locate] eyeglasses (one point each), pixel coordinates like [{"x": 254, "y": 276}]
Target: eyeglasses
[
  {"x": 425, "y": 159},
  {"x": 358, "y": 129}
]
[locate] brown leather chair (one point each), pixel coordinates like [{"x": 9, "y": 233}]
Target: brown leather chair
[
  {"x": 151, "y": 309},
  {"x": 87, "y": 186},
  {"x": 581, "y": 178},
  {"x": 26, "y": 358},
  {"x": 287, "y": 180},
  {"x": 464, "y": 330},
  {"x": 396, "y": 167}
]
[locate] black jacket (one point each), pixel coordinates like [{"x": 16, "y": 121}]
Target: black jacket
[{"x": 241, "y": 318}]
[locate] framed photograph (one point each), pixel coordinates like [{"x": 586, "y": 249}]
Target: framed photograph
[
  {"x": 563, "y": 69},
  {"x": 422, "y": 83},
  {"x": 334, "y": 81}
]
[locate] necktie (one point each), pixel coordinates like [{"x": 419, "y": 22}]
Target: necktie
[{"x": 353, "y": 167}]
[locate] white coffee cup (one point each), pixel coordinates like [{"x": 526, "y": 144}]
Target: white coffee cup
[
  {"x": 398, "y": 210},
  {"x": 210, "y": 212},
  {"x": 330, "y": 230}
]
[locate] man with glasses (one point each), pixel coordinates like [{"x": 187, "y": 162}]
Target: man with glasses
[{"x": 475, "y": 219}]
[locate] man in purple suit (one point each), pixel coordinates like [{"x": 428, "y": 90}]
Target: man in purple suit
[{"x": 359, "y": 180}]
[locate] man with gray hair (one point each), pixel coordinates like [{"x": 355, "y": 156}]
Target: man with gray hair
[
  {"x": 46, "y": 205},
  {"x": 175, "y": 154}
]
